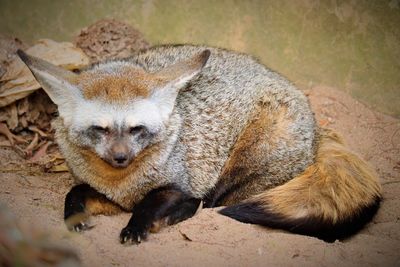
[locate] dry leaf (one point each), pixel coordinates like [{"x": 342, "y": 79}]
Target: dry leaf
[
  {"x": 23, "y": 106},
  {"x": 6, "y": 100},
  {"x": 23, "y": 122},
  {"x": 5, "y": 143},
  {"x": 32, "y": 146},
  {"x": 35, "y": 129},
  {"x": 62, "y": 54},
  {"x": 57, "y": 156},
  {"x": 59, "y": 168},
  {"x": 10, "y": 136},
  {"x": 54, "y": 163},
  {"x": 2, "y": 71},
  {"x": 34, "y": 113},
  {"x": 12, "y": 120},
  {"x": 41, "y": 110},
  {"x": 41, "y": 152},
  {"x": 3, "y": 114}
]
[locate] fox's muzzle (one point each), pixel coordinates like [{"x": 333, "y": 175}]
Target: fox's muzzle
[{"x": 119, "y": 155}]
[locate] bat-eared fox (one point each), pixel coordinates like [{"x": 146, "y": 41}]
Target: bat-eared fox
[{"x": 178, "y": 127}]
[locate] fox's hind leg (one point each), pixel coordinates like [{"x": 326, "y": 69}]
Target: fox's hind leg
[
  {"x": 275, "y": 146},
  {"x": 83, "y": 201}
]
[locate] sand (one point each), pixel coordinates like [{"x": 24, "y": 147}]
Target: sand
[{"x": 209, "y": 239}]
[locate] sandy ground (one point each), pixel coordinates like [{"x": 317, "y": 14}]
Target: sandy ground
[{"x": 210, "y": 239}]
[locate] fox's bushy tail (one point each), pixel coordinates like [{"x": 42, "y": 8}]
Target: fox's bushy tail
[{"x": 331, "y": 199}]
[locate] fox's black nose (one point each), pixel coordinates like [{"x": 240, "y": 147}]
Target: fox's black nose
[{"x": 120, "y": 158}]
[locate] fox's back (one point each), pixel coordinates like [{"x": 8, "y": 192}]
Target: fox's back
[{"x": 218, "y": 104}]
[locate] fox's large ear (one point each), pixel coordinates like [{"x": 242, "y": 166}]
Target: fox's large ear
[
  {"x": 57, "y": 82},
  {"x": 181, "y": 72},
  {"x": 176, "y": 77}
]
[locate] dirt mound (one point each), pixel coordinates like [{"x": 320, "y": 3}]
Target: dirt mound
[{"x": 110, "y": 38}]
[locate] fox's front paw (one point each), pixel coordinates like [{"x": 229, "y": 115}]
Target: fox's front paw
[
  {"x": 78, "y": 223},
  {"x": 133, "y": 235},
  {"x": 79, "y": 227}
]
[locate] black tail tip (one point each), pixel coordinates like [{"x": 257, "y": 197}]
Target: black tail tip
[
  {"x": 247, "y": 212},
  {"x": 257, "y": 213}
]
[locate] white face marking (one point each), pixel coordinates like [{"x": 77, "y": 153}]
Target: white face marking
[
  {"x": 138, "y": 112},
  {"x": 146, "y": 113}
]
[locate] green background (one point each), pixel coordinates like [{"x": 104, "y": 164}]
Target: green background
[{"x": 350, "y": 45}]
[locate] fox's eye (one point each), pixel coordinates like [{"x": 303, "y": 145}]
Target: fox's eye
[
  {"x": 99, "y": 129},
  {"x": 137, "y": 129}
]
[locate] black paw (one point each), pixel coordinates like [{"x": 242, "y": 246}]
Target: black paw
[
  {"x": 78, "y": 223},
  {"x": 133, "y": 235},
  {"x": 80, "y": 227}
]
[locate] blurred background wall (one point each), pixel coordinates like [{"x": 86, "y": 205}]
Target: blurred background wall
[{"x": 351, "y": 45}]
